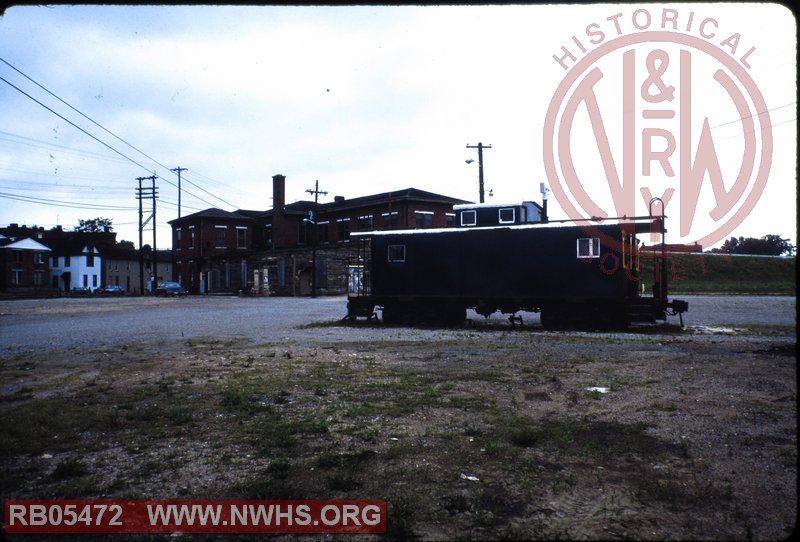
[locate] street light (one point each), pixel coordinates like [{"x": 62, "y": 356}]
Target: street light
[
  {"x": 480, "y": 147},
  {"x": 480, "y": 181}
]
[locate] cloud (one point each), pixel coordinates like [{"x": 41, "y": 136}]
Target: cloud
[{"x": 363, "y": 98}]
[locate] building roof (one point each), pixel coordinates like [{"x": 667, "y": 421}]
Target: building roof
[
  {"x": 342, "y": 204},
  {"x": 214, "y": 213},
  {"x": 408, "y": 194},
  {"x": 68, "y": 246},
  {"x": 27, "y": 244},
  {"x": 132, "y": 255}
]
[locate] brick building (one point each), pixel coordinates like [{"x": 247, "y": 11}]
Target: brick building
[
  {"x": 271, "y": 252},
  {"x": 24, "y": 266}
]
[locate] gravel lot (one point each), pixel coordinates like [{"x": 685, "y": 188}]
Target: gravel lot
[
  {"x": 75, "y": 322},
  {"x": 471, "y": 433}
]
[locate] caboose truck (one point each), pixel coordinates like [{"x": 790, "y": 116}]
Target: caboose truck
[{"x": 576, "y": 276}]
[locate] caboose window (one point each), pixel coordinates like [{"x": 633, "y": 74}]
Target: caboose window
[
  {"x": 506, "y": 216},
  {"x": 423, "y": 219},
  {"x": 468, "y": 218},
  {"x": 588, "y": 248},
  {"x": 397, "y": 253}
]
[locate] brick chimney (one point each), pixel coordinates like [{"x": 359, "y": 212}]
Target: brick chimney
[{"x": 278, "y": 193}]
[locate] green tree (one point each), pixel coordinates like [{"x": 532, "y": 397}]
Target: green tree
[
  {"x": 769, "y": 245},
  {"x": 95, "y": 225}
]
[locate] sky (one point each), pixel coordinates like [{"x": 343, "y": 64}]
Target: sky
[{"x": 364, "y": 99}]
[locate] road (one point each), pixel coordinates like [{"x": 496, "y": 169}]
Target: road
[{"x": 53, "y": 324}]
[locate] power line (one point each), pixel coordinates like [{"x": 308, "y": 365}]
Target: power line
[
  {"x": 81, "y": 114},
  {"x": 59, "y": 176},
  {"x": 67, "y": 149},
  {"x": 59, "y": 203},
  {"x": 31, "y": 142},
  {"x": 756, "y": 114},
  {"x": 6, "y": 81},
  {"x": 104, "y": 129}
]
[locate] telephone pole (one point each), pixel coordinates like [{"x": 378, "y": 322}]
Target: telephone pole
[
  {"x": 143, "y": 193},
  {"x": 313, "y": 221},
  {"x": 179, "y": 169},
  {"x": 480, "y": 147}
]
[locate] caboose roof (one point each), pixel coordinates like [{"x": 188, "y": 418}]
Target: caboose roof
[{"x": 641, "y": 224}]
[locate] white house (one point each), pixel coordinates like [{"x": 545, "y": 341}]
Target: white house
[{"x": 76, "y": 267}]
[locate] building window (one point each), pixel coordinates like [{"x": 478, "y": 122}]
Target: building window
[
  {"x": 389, "y": 220},
  {"x": 94, "y": 281},
  {"x": 38, "y": 257},
  {"x": 588, "y": 248},
  {"x": 67, "y": 261},
  {"x": 449, "y": 220},
  {"x": 90, "y": 258},
  {"x": 241, "y": 237},
  {"x": 54, "y": 261},
  {"x": 16, "y": 256},
  {"x": 365, "y": 222},
  {"x": 423, "y": 219},
  {"x": 323, "y": 229},
  {"x": 38, "y": 278},
  {"x": 220, "y": 236},
  {"x": 506, "y": 216},
  {"x": 178, "y": 235},
  {"x": 268, "y": 235},
  {"x": 191, "y": 236},
  {"x": 343, "y": 229},
  {"x": 16, "y": 277},
  {"x": 468, "y": 218},
  {"x": 397, "y": 253}
]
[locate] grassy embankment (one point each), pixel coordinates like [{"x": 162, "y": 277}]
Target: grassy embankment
[{"x": 722, "y": 274}]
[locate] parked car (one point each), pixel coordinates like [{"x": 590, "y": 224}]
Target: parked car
[
  {"x": 170, "y": 288},
  {"x": 114, "y": 289}
]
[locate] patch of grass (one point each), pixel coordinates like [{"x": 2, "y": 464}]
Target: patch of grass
[
  {"x": 706, "y": 273},
  {"x": 596, "y": 439},
  {"x": 764, "y": 330},
  {"x": 401, "y": 509},
  {"x": 47, "y": 425},
  {"x": 343, "y": 481},
  {"x": 383, "y": 421},
  {"x": 279, "y": 468},
  {"x": 69, "y": 468},
  {"x": 333, "y": 459}
]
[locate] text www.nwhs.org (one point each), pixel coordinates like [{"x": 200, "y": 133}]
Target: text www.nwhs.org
[{"x": 189, "y": 516}]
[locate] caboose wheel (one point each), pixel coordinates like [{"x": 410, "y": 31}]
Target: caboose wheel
[{"x": 552, "y": 318}]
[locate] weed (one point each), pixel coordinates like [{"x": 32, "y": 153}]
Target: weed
[
  {"x": 342, "y": 481},
  {"x": 69, "y": 468}
]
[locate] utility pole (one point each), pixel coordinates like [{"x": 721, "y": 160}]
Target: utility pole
[
  {"x": 179, "y": 169},
  {"x": 313, "y": 221},
  {"x": 480, "y": 148},
  {"x": 141, "y": 228},
  {"x": 141, "y": 194}
]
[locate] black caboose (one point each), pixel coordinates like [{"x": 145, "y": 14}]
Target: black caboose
[{"x": 575, "y": 275}]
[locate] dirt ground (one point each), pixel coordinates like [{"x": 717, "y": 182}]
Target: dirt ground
[{"x": 475, "y": 433}]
